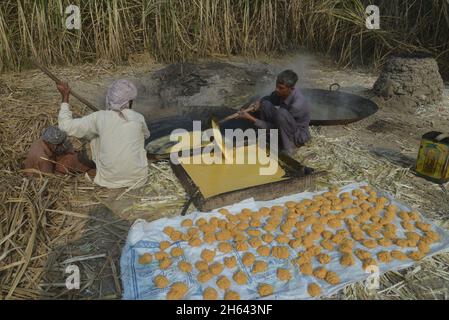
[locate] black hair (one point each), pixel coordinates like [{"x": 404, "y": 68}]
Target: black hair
[{"x": 287, "y": 78}]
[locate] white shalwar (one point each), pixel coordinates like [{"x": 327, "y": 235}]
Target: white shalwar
[{"x": 118, "y": 145}]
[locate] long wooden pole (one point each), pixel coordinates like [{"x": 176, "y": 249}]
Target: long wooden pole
[
  {"x": 73, "y": 93},
  {"x": 251, "y": 108}
]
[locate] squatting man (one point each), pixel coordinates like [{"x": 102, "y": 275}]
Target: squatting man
[{"x": 285, "y": 109}]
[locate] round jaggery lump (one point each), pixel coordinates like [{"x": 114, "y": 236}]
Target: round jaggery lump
[
  {"x": 326, "y": 234},
  {"x": 192, "y": 231},
  {"x": 267, "y": 237},
  {"x": 224, "y": 247},
  {"x": 177, "y": 291},
  {"x": 184, "y": 266},
  {"x": 323, "y": 258},
  {"x": 416, "y": 255},
  {"x": 209, "y": 237},
  {"x": 263, "y": 251},
  {"x": 164, "y": 245},
  {"x": 265, "y": 289},
  {"x": 165, "y": 263},
  {"x": 201, "y": 265},
  {"x": 385, "y": 242},
  {"x": 282, "y": 239},
  {"x": 200, "y": 222},
  {"x": 368, "y": 263},
  {"x": 347, "y": 260},
  {"x": 306, "y": 269},
  {"x": 259, "y": 266},
  {"x": 283, "y": 274},
  {"x": 240, "y": 277},
  {"x": 146, "y": 258},
  {"x": 223, "y": 283},
  {"x": 313, "y": 289},
  {"x": 432, "y": 235},
  {"x": 320, "y": 272},
  {"x": 362, "y": 254},
  {"x": 248, "y": 259},
  {"x": 161, "y": 255},
  {"x": 223, "y": 235},
  {"x": 423, "y": 226},
  {"x": 186, "y": 223},
  {"x": 216, "y": 268},
  {"x": 384, "y": 256},
  {"x": 369, "y": 243},
  {"x": 286, "y": 228},
  {"x": 195, "y": 242},
  {"x": 241, "y": 246},
  {"x": 239, "y": 237},
  {"x": 280, "y": 252},
  {"x": 255, "y": 242},
  {"x": 332, "y": 278},
  {"x": 231, "y": 295},
  {"x": 160, "y": 281},
  {"x": 176, "y": 252},
  {"x": 204, "y": 276},
  {"x": 398, "y": 255},
  {"x": 326, "y": 244},
  {"x": 210, "y": 294},
  {"x": 176, "y": 235},
  {"x": 295, "y": 243},
  {"x": 230, "y": 262},
  {"x": 208, "y": 255},
  {"x": 168, "y": 230}
]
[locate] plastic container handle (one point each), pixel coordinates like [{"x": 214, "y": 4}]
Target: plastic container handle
[{"x": 442, "y": 136}]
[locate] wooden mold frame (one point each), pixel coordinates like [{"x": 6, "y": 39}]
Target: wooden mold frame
[{"x": 300, "y": 178}]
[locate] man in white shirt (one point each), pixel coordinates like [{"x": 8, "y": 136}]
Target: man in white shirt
[{"x": 116, "y": 136}]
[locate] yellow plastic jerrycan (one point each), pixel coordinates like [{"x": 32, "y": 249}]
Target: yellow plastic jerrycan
[{"x": 433, "y": 157}]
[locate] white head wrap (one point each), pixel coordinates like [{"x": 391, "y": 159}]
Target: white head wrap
[{"x": 120, "y": 92}]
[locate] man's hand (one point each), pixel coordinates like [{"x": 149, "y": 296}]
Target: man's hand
[
  {"x": 64, "y": 89},
  {"x": 252, "y": 107},
  {"x": 255, "y": 106},
  {"x": 245, "y": 115}
]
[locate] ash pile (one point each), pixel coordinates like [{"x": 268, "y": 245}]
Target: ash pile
[{"x": 208, "y": 84}]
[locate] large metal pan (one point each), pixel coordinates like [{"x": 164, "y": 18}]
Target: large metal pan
[
  {"x": 328, "y": 107},
  {"x": 333, "y": 107}
]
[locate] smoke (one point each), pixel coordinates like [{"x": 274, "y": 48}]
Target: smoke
[{"x": 302, "y": 63}]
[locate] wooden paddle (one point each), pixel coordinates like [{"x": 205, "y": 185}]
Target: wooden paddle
[
  {"x": 58, "y": 81},
  {"x": 251, "y": 108}
]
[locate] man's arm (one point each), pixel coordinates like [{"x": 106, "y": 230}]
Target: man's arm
[
  {"x": 300, "y": 111},
  {"x": 273, "y": 98},
  {"x": 146, "y": 132},
  {"x": 80, "y": 128}
]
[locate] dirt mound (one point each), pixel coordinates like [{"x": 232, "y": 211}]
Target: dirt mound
[{"x": 413, "y": 79}]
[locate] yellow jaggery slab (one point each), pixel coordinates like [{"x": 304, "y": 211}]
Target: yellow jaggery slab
[{"x": 214, "y": 179}]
